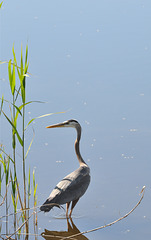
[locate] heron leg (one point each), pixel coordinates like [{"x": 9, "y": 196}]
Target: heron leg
[
  {"x": 67, "y": 208},
  {"x": 73, "y": 205}
]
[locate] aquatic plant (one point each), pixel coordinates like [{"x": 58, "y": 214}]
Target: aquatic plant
[{"x": 17, "y": 117}]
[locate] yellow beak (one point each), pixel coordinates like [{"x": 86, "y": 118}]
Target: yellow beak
[{"x": 57, "y": 125}]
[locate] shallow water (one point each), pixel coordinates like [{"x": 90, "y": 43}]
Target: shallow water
[{"x": 91, "y": 59}]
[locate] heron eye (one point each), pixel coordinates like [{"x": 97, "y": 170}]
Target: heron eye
[{"x": 67, "y": 123}]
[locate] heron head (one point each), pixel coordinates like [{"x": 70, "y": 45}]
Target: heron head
[{"x": 70, "y": 123}]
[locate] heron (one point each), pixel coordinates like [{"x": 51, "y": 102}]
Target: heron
[{"x": 72, "y": 187}]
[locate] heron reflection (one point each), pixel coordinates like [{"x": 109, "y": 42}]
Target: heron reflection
[{"x": 72, "y": 229}]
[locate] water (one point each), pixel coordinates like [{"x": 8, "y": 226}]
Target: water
[{"x": 91, "y": 59}]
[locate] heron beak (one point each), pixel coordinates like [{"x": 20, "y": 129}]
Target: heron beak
[{"x": 57, "y": 125}]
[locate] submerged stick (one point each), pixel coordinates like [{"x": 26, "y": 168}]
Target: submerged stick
[
  {"x": 88, "y": 231},
  {"x": 32, "y": 208},
  {"x": 8, "y": 237},
  {"x": 110, "y": 224}
]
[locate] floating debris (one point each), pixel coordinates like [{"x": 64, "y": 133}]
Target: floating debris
[
  {"x": 127, "y": 231},
  {"x": 146, "y": 48},
  {"x": 68, "y": 56},
  {"x": 126, "y": 157},
  {"x": 87, "y": 122},
  {"x": 133, "y": 130}
]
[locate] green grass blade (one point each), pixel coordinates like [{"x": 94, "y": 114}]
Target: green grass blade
[
  {"x": 33, "y": 179},
  {"x": 0, "y": 178},
  {"x": 13, "y": 50},
  {"x": 13, "y": 195},
  {"x": 15, "y": 61},
  {"x": 14, "y": 141},
  {"x": 45, "y": 115},
  {"x": 17, "y": 94},
  {"x": 29, "y": 190},
  {"x": 13, "y": 79},
  {"x": 22, "y": 84},
  {"x": 6, "y": 155},
  {"x": 10, "y": 74},
  {"x": 13, "y": 200},
  {"x": 13, "y": 185},
  {"x": 19, "y": 111},
  {"x": 2, "y": 101},
  {"x": 35, "y": 189},
  {"x": 22, "y": 78},
  {"x": 21, "y": 61},
  {"x": 18, "y": 136},
  {"x": 4, "y": 62},
  {"x": 4, "y": 165},
  {"x": 7, "y": 172},
  {"x": 17, "y": 108},
  {"x": 16, "y": 203},
  {"x": 30, "y": 145},
  {"x": 1, "y": 4},
  {"x": 26, "y": 54}
]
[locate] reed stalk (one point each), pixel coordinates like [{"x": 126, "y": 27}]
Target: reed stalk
[
  {"x": 15, "y": 112},
  {"x": 18, "y": 111}
]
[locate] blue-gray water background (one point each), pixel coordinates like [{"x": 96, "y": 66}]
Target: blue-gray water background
[{"x": 92, "y": 58}]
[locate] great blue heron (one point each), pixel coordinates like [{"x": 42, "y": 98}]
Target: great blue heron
[{"x": 74, "y": 185}]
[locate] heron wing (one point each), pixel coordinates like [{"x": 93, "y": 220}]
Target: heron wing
[{"x": 71, "y": 187}]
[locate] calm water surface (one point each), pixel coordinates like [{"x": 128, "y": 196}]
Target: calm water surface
[{"x": 91, "y": 58}]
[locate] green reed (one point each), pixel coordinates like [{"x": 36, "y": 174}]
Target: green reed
[
  {"x": 1, "y": 4},
  {"x": 29, "y": 190},
  {"x": 0, "y": 178},
  {"x": 17, "y": 75},
  {"x": 16, "y": 116},
  {"x": 6, "y": 167},
  {"x": 35, "y": 200}
]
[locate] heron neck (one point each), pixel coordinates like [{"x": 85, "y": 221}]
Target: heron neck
[{"x": 77, "y": 150}]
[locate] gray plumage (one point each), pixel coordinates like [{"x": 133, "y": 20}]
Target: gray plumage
[
  {"x": 70, "y": 188},
  {"x": 73, "y": 186}
]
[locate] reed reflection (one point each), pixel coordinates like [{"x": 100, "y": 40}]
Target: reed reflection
[{"x": 72, "y": 229}]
